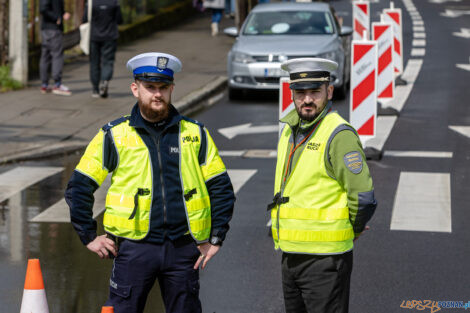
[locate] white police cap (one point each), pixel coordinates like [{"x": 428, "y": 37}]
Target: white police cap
[
  {"x": 308, "y": 73},
  {"x": 154, "y": 67}
]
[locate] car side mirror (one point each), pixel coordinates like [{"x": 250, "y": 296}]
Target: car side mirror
[
  {"x": 231, "y": 31},
  {"x": 346, "y": 31}
]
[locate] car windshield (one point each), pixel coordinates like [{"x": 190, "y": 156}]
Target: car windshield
[{"x": 289, "y": 23}]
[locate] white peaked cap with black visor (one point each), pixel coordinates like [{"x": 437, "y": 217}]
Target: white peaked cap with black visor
[
  {"x": 308, "y": 73},
  {"x": 154, "y": 67}
]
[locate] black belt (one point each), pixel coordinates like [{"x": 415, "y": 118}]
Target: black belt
[{"x": 277, "y": 200}]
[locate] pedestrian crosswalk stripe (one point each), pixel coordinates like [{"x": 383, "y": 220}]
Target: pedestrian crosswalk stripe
[
  {"x": 59, "y": 212},
  {"x": 422, "y": 203},
  {"x": 463, "y": 130},
  {"x": 22, "y": 177},
  {"x": 418, "y": 154}
]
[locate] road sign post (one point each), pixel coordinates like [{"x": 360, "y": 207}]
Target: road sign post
[
  {"x": 383, "y": 34},
  {"x": 361, "y": 19},
  {"x": 363, "y": 99}
]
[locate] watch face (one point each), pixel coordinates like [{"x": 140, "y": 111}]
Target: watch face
[{"x": 214, "y": 240}]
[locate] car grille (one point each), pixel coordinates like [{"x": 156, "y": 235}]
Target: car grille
[
  {"x": 267, "y": 80},
  {"x": 275, "y": 58}
]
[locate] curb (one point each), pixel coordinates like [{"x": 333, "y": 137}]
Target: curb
[{"x": 191, "y": 103}]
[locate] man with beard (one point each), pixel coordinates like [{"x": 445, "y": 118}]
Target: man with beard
[
  {"x": 323, "y": 194},
  {"x": 170, "y": 199}
]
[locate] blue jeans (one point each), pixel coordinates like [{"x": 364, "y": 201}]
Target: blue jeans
[
  {"x": 216, "y": 15},
  {"x": 139, "y": 264}
]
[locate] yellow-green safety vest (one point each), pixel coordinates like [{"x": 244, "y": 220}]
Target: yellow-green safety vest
[
  {"x": 314, "y": 218},
  {"x": 129, "y": 198}
]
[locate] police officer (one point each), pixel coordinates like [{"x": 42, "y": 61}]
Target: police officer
[
  {"x": 170, "y": 199},
  {"x": 323, "y": 194}
]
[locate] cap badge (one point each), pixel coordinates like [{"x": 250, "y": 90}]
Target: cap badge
[
  {"x": 162, "y": 63},
  {"x": 303, "y": 75}
]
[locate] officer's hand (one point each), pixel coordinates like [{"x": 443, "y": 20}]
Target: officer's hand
[
  {"x": 207, "y": 252},
  {"x": 102, "y": 246},
  {"x": 357, "y": 237},
  {"x": 66, "y": 16}
]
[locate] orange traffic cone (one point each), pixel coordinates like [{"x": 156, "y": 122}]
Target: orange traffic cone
[
  {"x": 34, "y": 295},
  {"x": 107, "y": 309}
]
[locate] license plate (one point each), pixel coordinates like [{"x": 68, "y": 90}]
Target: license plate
[{"x": 272, "y": 72}]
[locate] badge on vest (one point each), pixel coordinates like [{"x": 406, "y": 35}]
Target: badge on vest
[
  {"x": 353, "y": 161},
  {"x": 190, "y": 139}
]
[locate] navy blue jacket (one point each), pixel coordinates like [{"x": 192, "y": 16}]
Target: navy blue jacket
[{"x": 160, "y": 139}]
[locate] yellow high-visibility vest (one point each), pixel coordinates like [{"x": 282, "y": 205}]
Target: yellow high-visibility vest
[
  {"x": 312, "y": 215},
  {"x": 129, "y": 198}
]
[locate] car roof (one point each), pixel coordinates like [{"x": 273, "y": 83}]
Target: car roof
[{"x": 291, "y": 6}]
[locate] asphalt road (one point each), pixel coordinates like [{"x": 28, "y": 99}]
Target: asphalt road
[{"x": 390, "y": 265}]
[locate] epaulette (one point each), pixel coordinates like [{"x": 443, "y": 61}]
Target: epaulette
[
  {"x": 115, "y": 122},
  {"x": 192, "y": 121}
]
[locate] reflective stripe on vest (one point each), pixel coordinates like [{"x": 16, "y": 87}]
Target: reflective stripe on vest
[{"x": 316, "y": 218}]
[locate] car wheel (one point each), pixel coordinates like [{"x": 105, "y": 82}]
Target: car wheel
[{"x": 234, "y": 93}]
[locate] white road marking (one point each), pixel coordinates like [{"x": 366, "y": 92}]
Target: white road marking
[
  {"x": 418, "y": 43},
  {"x": 418, "y": 154},
  {"x": 418, "y": 52},
  {"x": 240, "y": 178},
  {"x": 418, "y": 23},
  {"x": 384, "y": 127},
  {"x": 422, "y": 203},
  {"x": 463, "y": 130},
  {"x": 455, "y": 13},
  {"x": 402, "y": 92},
  {"x": 464, "y": 33},
  {"x": 464, "y": 66},
  {"x": 443, "y": 1},
  {"x": 244, "y": 129},
  {"x": 251, "y": 153},
  {"x": 419, "y": 35},
  {"x": 418, "y": 28},
  {"x": 59, "y": 212},
  {"x": 22, "y": 177}
]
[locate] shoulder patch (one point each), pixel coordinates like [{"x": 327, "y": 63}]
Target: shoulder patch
[
  {"x": 115, "y": 122},
  {"x": 192, "y": 121},
  {"x": 353, "y": 161}
]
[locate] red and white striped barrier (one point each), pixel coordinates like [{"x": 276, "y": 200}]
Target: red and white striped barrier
[
  {"x": 286, "y": 104},
  {"x": 383, "y": 34},
  {"x": 363, "y": 100},
  {"x": 393, "y": 16},
  {"x": 361, "y": 19}
]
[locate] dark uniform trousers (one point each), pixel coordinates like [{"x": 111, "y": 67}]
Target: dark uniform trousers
[
  {"x": 316, "y": 283},
  {"x": 139, "y": 264}
]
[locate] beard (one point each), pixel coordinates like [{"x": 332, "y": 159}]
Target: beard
[
  {"x": 311, "y": 115},
  {"x": 152, "y": 114}
]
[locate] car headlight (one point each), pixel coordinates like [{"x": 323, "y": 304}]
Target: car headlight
[
  {"x": 332, "y": 55},
  {"x": 241, "y": 57}
]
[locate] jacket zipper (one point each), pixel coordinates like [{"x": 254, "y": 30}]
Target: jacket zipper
[{"x": 161, "y": 177}]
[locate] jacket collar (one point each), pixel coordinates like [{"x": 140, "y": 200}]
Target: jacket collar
[{"x": 136, "y": 119}]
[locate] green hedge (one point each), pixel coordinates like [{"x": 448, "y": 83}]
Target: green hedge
[{"x": 6, "y": 82}]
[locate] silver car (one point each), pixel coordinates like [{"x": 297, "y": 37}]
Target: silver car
[{"x": 275, "y": 32}]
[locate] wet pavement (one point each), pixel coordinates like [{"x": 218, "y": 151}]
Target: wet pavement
[{"x": 74, "y": 278}]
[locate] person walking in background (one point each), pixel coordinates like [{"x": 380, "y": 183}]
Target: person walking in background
[
  {"x": 229, "y": 8},
  {"x": 52, "y": 55},
  {"x": 217, "y": 7},
  {"x": 105, "y": 17}
]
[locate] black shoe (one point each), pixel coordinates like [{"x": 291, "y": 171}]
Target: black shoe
[{"x": 104, "y": 89}]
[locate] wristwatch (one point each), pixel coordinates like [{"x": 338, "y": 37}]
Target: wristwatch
[{"x": 216, "y": 241}]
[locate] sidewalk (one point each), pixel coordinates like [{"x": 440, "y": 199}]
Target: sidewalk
[{"x": 34, "y": 125}]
